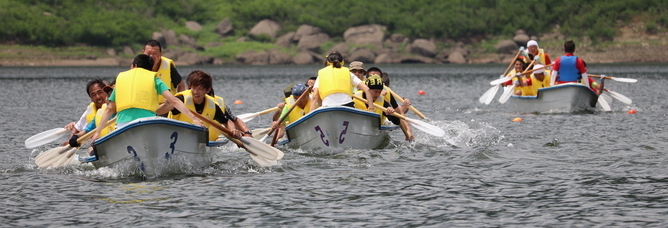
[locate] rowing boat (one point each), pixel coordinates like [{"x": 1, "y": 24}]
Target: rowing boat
[
  {"x": 338, "y": 127},
  {"x": 568, "y": 97}
]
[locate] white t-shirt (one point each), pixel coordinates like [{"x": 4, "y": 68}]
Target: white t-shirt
[
  {"x": 337, "y": 99},
  {"x": 81, "y": 124}
]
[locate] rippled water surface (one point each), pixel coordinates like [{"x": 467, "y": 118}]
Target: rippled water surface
[{"x": 596, "y": 169}]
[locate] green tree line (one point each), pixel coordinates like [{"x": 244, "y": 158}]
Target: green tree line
[{"x": 127, "y": 22}]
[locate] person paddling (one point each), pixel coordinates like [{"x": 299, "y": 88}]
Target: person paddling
[
  {"x": 375, "y": 84},
  {"x": 571, "y": 68},
  {"x": 334, "y": 85}
]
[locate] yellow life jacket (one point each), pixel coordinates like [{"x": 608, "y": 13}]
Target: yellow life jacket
[
  {"x": 362, "y": 105},
  {"x": 135, "y": 88},
  {"x": 220, "y": 102},
  {"x": 165, "y": 75},
  {"x": 99, "y": 123},
  {"x": 334, "y": 80},
  {"x": 512, "y": 74},
  {"x": 541, "y": 57},
  {"x": 209, "y": 111},
  {"x": 388, "y": 94},
  {"x": 91, "y": 115},
  {"x": 535, "y": 84}
]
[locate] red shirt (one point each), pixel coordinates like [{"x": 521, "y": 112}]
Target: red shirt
[{"x": 579, "y": 63}]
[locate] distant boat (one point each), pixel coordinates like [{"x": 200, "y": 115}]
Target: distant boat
[
  {"x": 568, "y": 97},
  {"x": 338, "y": 127}
]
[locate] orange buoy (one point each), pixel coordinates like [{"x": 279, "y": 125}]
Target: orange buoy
[
  {"x": 238, "y": 102},
  {"x": 421, "y": 92},
  {"x": 632, "y": 111},
  {"x": 517, "y": 119}
]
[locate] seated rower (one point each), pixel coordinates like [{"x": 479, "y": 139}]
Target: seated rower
[
  {"x": 196, "y": 99},
  {"x": 375, "y": 84},
  {"x": 540, "y": 78},
  {"x": 301, "y": 108}
]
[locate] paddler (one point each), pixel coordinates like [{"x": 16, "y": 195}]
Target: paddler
[
  {"x": 165, "y": 68},
  {"x": 136, "y": 95},
  {"x": 334, "y": 85},
  {"x": 376, "y": 86},
  {"x": 534, "y": 50},
  {"x": 197, "y": 99},
  {"x": 301, "y": 108},
  {"x": 540, "y": 78},
  {"x": 571, "y": 68}
]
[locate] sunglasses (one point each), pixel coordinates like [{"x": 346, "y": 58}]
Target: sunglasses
[{"x": 358, "y": 71}]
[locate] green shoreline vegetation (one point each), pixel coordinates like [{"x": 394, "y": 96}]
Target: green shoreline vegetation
[{"x": 86, "y": 28}]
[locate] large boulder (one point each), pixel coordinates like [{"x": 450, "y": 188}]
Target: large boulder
[
  {"x": 278, "y": 57},
  {"x": 304, "y": 57},
  {"x": 193, "y": 26},
  {"x": 457, "y": 56},
  {"x": 365, "y": 34},
  {"x": 521, "y": 38},
  {"x": 312, "y": 42},
  {"x": 245, "y": 56},
  {"x": 128, "y": 51},
  {"x": 305, "y": 30},
  {"x": 506, "y": 47},
  {"x": 416, "y": 59},
  {"x": 423, "y": 47},
  {"x": 192, "y": 58},
  {"x": 285, "y": 40},
  {"x": 265, "y": 27},
  {"x": 364, "y": 54},
  {"x": 158, "y": 36},
  {"x": 341, "y": 48},
  {"x": 224, "y": 27},
  {"x": 170, "y": 38},
  {"x": 388, "y": 57}
]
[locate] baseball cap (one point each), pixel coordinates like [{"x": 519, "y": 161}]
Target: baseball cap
[{"x": 356, "y": 65}]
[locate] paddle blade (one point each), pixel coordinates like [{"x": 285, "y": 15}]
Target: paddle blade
[
  {"x": 427, "y": 128},
  {"x": 260, "y": 133},
  {"x": 506, "y": 94},
  {"x": 604, "y": 104},
  {"x": 45, "y": 137},
  {"x": 488, "y": 96},
  {"x": 261, "y": 149},
  {"x": 247, "y": 117},
  {"x": 65, "y": 158},
  {"x": 500, "y": 80},
  {"x": 629, "y": 80},
  {"x": 620, "y": 97},
  {"x": 46, "y": 158},
  {"x": 263, "y": 161}
]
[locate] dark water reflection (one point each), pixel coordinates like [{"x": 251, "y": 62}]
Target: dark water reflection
[{"x": 549, "y": 170}]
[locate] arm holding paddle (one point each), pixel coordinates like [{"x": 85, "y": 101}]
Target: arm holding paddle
[{"x": 422, "y": 126}]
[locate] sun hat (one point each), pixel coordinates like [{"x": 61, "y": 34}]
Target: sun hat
[
  {"x": 356, "y": 65},
  {"x": 532, "y": 43},
  {"x": 540, "y": 71}
]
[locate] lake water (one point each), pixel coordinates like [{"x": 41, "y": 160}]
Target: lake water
[{"x": 601, "y": 169}]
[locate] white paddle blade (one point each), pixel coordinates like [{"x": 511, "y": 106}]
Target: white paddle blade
[
  {"x": 427, "y": 128},
  {"x": 488, "y": 96},
  {"x": 247, "y": 117},
  {"x": 45, "y": 137},
  {"x": 629, "y": 80},
  {"x": 65, "y": 158},
  {"x": 260, "y": 133},
  {"x": 261, "y": 149},
  {"x": 46, "y": 158},
  {"x": 620, "y": 97},
  {"x": 500, "y": 80},
  {"x": 506, "y": 94},
  {"x": 263, "y": 161},
  {"x": 604, "y": 104}
]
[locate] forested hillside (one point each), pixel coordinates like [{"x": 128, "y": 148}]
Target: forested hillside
[{"x": 129, "y": 22}]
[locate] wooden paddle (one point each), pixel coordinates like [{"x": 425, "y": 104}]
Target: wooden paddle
[
  {"x": 253, "y": 146},
  {"x": 399, "y": 98},
  {"x": 45, "y": 137},
  {"x": 513, "y": 61},
  {"x": 58, "y": 156},
  {"x": 249, "y": 116},
  {"x": 422, "y": 126},
  {"x": 282, "y": 118},
  {"x": 628, "y": 80},
  {"x": 505, "y": 79}
]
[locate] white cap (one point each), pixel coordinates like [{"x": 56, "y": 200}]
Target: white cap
[
  {"x": 538, "y": 71},
  {"x": 531, "y": 43}
]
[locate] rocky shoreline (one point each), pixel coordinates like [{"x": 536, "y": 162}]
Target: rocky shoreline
[{"x": 369, "y": 44}]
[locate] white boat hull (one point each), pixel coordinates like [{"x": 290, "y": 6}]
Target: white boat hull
[
  {"x": 338, "y": 127},
  {"x": 154, "y": 145},
  {"x": 571, "y": 97}
]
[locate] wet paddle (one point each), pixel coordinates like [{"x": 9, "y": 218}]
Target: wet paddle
[
  {"x": 506, "y": 94},
  {"x": 249, "y": 116},
  {"x": 488, "y": 96},
  {"x": 58, "y": 156},
  {"x": 399, "y": 98},
  {"x": 422, "y": 126},
  {"x": 619, "y": 97},
  {"x": 603, "y": 101},
  {"x": 505, "y": 79},
  {"x": 45, "y": 137},
  {"x": 628, "y": 80},
  {"x": 282, "y": 118},
  {"x": 253, "y": 146}
]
